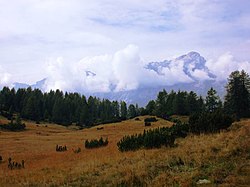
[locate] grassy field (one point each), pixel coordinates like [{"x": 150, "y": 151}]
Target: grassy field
[{"x": 223, "y": 158}]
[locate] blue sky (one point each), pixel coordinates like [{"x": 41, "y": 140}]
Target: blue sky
[{"x": 35, "y": 33}]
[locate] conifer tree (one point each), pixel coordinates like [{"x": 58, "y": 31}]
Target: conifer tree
[
  {"x": 123, "y": 110},
  {"x": 213, "y": 101},
  {"x": 237, "y": 99}
]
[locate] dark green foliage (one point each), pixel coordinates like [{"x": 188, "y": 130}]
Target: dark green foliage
[
  {"x": 213, "y": 101},
  {"x": 16, "y": 125},
  {"x": 172, "y": 119},
  {"x": 237, "y": 99},
  {"x": 96, "y": 143},
  {"x": 150, "y": 108},
  {"x": 207, "y": 122},
  {"x": 123, "y": 110},
  {"x": 153, "y": 138},
  {"x": 64, "y": 109},
  {"x": 131, "y": 111},
  {"x": 180, "y": 103},
  {"x": 8, "y": 115},
  {"x": 179, "y": 129},
  {"x": 151, "y": 119}
]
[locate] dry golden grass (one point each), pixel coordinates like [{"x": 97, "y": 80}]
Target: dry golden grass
[{"x": 222, "y": 158}]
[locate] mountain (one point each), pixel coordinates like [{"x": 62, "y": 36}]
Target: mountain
[
  {"x": 39, "y": 85},
  {"x": 192, "y": 64}
]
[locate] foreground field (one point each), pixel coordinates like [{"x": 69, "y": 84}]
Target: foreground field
[{"x": 221, "y": 158}]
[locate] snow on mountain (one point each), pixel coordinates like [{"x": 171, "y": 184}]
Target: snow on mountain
[{"x": 193, "y": 66}]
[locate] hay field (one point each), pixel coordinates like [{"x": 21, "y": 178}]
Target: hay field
[{"x": 221, "y": 158}]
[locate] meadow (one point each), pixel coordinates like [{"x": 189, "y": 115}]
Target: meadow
[{"x": 222, "y": 158}]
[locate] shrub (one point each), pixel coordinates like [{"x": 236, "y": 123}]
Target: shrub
[
  {"x": 209, "y": 122},
  {"x": 180, "y": 129},
  {"x": 95, "y": 143},
  {"x": 153, "y": 138},
  {"x": 14, "y": 126}
]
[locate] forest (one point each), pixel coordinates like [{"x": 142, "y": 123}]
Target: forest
[{"x": 73, "y": 108}]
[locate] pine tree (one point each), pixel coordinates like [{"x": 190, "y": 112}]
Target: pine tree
[
  {"x": 237, "y": 99},
  {"x": 160, "y": 103},
  {"x": 123, "y": 110},
  {"x": 131, "y": 111},
  {"x": 213, "y": 101},
  {"x": 151, "y": 107}
]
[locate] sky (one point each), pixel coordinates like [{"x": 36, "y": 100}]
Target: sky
[{"x": 62, "y": 39}]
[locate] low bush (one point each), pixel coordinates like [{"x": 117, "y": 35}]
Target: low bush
[
  {"x": 209, "y": 122},
  {"x": 14, "y": 126},
  {"x": 153, "y": 138},
  {"x": 96, "y": 143}
]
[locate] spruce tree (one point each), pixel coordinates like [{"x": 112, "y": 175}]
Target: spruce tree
[
  {"x": 123, "y": 110},
  {"x": 213, "y": 101},
  {"x": 237, "y": 99}
]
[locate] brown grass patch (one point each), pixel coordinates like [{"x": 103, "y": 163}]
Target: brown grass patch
[{"x": 222, "y": 158}]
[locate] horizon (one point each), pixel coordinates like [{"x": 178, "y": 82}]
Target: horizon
[{"x": 62, "y": 40}]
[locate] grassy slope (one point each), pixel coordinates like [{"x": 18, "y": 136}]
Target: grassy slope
[{"x": 222, "y": 158}]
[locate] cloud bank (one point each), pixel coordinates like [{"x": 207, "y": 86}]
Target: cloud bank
[
  {"x": 122, "y": 71},
  {"x": 225, "y": 64},
  {"x": 125, "y": 70}
]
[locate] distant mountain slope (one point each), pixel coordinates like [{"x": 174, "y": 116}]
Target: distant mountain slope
[{"x": 142, "y": 96}]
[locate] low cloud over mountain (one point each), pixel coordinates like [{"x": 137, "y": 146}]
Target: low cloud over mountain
[
  {"x": 125, "y": 70},
  {"x": 125, "y": 75}
]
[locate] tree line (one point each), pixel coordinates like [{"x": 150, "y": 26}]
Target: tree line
[
  {"x": 63, "y": 108},
  {"x": 67, "y": 108},
  {"x": 236, "y": 101}
]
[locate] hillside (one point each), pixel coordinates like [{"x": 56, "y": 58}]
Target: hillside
[{"x": 221, "y": 158}]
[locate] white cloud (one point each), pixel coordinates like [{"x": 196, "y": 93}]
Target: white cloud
[
  {"x": 34, "y": 30},
  {"x": 5, "y": 77},
  {"x": 200, "y": 75},
  {"x": 225, "y": 64},
  {"x": 124, "y": 70}
]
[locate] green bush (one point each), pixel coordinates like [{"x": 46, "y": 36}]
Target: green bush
[
  {"x": 209, "y": 122},
  {"x": 14, "y": 126},
  {"x": 153, "y": 138},
  {"x": 96, "y": 143}
]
